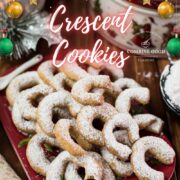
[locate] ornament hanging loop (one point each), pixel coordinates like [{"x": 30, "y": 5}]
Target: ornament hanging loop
[{"x": 3, "y": 33}]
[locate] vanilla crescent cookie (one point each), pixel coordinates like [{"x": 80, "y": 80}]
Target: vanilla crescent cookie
[
  {"x": 22, "y": 124},
  {"x": 60, "y": 113},
  {"x": 72, "y": 169},
  {"x": 121, "y": 168},
  {"x": 158, "y": 148},
  {"x": 81, "y": 89},
  {"x": 107, "y": 172},
  {"x": 85, "y": 120},
  {"x": 93, "y": 168},
  {"x": 123, "y": 101},
  {"x": 114, "y": 72},
  {"x": 120, "y": 84},
  {"x": 52, "y": 76},
  {"x": 125, "y": 83},
  {"x": 26, "y": 99},
  {"x": 74, "y": 71},
  {"x": 20, "y": 83},
  {"x": 63, "y": 130},
  {"x": 117, "y": 87},
  {"x": 124, "y": 121},
  {"x": 58, "y": 99},
  {"x": 36, "y": 155},
  {"x": 149, "y": 122}
]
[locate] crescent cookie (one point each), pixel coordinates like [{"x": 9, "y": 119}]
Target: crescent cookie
[
  {"x": 117, "y": 87},
  {"x": 59, "y": 99},
  {"x": 56, "y": 170},
  {"x": 81, "y": 89},
  {"x": 158, "y": 148},
  {"x": 121, "y": 168},
  {"x": 124, "y": 121},
  {"x": 72, "y": 169},
  {"x": 85, "y": 120},
  {"x": 74, "y": 71},
  {"x": 22, "y": 124},
  {"x": 125, "y": 83},
  {"x": 20, "y": 83},
  {"x": 107, "y": 172},
  {"x": 52, "y": 76},
  {"x": 114, "y": 72},
  {"x": 26, "y": 99},
  {"x": 61, "y": 113},
  {"x": 123, "y": 101},
  {"x": 36, "y": 155},
  {"x": 63, "y": 130},
  {"x": 149, "y": 122}
]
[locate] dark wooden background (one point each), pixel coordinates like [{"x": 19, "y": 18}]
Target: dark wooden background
[{"x": 136, "y": 68}]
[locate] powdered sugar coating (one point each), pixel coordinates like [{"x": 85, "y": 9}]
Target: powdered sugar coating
[
  {"x": 123, "y": 101},
  {"x": 25, "y": 100},
  {"x": 121, "y": 168},
  {"x": 126, "y": 83},
  {"x": 35, "y": 153},
  {"x": 149, "y": 122},
  {"x": 81, "y": 88},
  {"x": 117, "y": 88},
  {"x": 47, "y": 72},
  {"x": 59, "y": 99},
  {"x": 107, "y": 172},
  {"x": 121, "y": 121},
  {"x": 115, "y": 72},
  {"x": 21, "y": 123},
  {"x": 85, "y": 119},
  {"x": 57, "y": 168},
  {"x": 64, "y": 129},
  {"x": 21, "y": 82},
  {"x": 158, "y": 148},
  {"x": 72, "y": 169}
]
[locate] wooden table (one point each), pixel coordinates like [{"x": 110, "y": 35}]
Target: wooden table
[{"x": 145, "y": 71}]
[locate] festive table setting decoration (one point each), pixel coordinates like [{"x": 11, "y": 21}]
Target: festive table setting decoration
[
  {"x": 24, "y": 27},
  {"x": 77, "y": 114}
]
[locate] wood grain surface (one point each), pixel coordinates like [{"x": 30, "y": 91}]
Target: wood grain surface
[{"x": 145, "y": 71}]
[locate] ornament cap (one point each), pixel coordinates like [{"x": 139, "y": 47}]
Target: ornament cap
[{"x": 176, "y": 35}]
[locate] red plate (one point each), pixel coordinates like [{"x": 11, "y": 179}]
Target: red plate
[{"x": 15, "y": 137}]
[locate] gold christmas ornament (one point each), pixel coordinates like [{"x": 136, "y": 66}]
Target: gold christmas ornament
[
  {"x": 166, "y": 9},
  {"x": 33, "y": 2},
  {"x": 14, "y": 9}
]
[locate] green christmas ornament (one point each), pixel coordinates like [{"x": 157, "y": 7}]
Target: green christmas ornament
[
  {"x": 6, "y": 47},
  {"x": 173, "y": 46}
]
